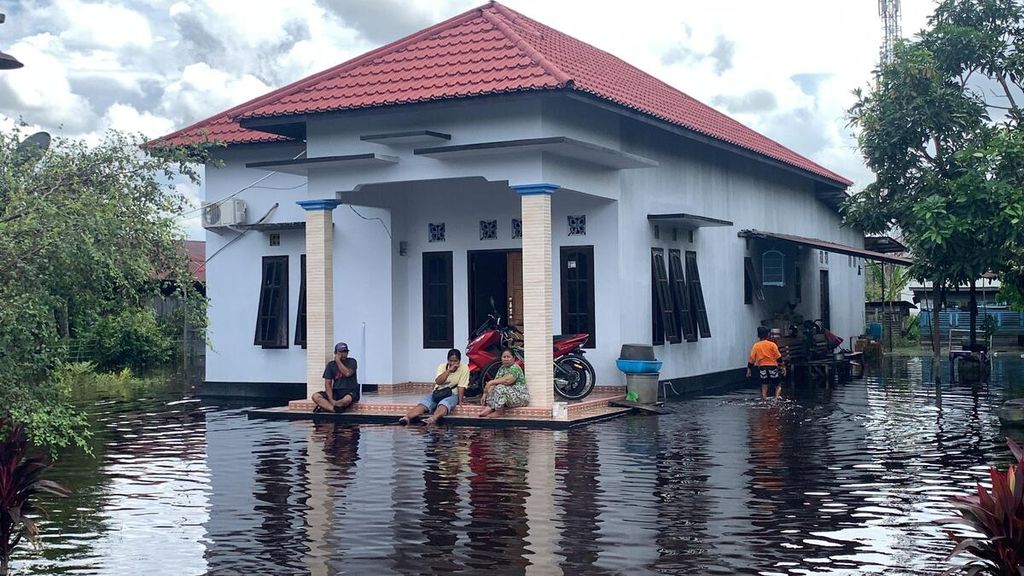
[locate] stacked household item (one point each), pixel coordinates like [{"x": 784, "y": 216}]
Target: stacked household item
[{"x": 638, "y": 363}]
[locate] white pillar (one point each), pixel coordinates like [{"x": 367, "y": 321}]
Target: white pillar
[
  {"x": 319, "y": 290},
  {"x": 537, "y": 331}
]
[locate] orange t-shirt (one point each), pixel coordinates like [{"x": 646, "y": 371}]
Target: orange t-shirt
[{"x": 764, "y": 353}]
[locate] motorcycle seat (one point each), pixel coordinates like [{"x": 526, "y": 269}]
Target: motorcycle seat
[{"x": 560, "y": 337}]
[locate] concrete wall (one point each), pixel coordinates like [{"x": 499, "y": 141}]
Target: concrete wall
[
  {"x": 362, "y": 274},
  {"x": 699, "y": 180}
]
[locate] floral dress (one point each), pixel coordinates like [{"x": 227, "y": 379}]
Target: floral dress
[{"x": 509, "y": 395}]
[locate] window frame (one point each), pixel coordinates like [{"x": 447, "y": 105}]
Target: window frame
[
  {"x": 449, "y": 338},
  {"x": 685, "y": 321},
  {"x": 272, "y": 295},
  {"x": 300, "y": 311},
  {"x": 776, "y": 274},
  {"x": 664, "y": 325},
  {"x": 591, "y": 315},
  {"x": 697, "y": 304}
]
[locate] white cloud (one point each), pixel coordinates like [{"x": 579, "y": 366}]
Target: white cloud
[
  {"x": 126, "y": 118},
  {"x": 202, "y": 91},
  {"x": 40, "y": 92},
  {"x": 103, "y": 25}
]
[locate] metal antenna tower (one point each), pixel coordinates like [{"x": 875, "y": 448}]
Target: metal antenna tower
[{"x": 889, "y": 11}]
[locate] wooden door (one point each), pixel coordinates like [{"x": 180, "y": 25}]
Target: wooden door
[{"x": 514, "y": 311}]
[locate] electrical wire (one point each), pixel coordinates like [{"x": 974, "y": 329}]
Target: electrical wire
[
  {"x": 382, "y": 224},
  {"x": 252, "y": 185},
  {"x": 241, "y": 233}
]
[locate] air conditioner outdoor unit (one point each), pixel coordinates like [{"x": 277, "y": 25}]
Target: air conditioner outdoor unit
[{"x": 228, "y": 212}]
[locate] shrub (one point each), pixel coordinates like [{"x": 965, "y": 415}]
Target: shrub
[
  {"x": 20, "y": 481},
  {"x": 997, "y": 514},
  {"x": 132, "y": 338}
]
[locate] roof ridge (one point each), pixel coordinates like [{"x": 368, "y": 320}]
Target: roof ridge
[{"x": 521, "y": 43}]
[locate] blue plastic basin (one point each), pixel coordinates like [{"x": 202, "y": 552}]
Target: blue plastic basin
[{"x": 638, "y": 366}]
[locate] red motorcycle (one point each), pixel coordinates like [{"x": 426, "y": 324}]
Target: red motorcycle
[{"x": 574, "y": 375}]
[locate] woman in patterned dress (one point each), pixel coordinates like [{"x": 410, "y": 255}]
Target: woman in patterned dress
[{"x": 507, "y": 390}]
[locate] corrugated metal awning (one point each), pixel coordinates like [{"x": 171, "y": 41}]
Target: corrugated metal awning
[
  {"x": 686, "y": 220},
  {"x": 827, "y": 246}
]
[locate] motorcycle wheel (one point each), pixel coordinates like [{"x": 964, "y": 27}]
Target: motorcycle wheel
[
  {"x": 477, "y": 380},
  {"x": 578, "y": 377}
]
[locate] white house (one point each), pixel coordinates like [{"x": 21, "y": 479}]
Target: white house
[{"x": 388, "y": 201}]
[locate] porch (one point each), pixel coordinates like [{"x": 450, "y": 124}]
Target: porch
[{"x": 389, "y": 402}]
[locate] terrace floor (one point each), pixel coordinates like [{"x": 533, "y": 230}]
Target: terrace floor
[{"x": 387, "y": 404}]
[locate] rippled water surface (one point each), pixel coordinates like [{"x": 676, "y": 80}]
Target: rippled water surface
[{"x": 842, "y": 481}]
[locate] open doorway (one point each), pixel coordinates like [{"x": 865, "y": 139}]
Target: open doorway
[{"x": 495, "y": 286}]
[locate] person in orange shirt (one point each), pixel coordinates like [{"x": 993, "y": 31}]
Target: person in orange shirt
[{"x": 765, "y": 356}]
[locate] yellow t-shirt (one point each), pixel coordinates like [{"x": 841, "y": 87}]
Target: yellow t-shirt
[{"x": 458, "y": 378}]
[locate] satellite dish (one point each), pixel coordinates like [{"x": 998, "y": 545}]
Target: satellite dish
[{"x": 31, "y": 149}]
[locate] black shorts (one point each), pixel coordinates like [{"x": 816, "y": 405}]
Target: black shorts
[
  {"x": 341, "y": 392},
  {"x": 768, "y": 374}
]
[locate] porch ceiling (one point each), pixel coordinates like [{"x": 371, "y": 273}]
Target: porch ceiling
[
  {"x": 827, "y": 246},
  {"x": 556, "y": 145}
]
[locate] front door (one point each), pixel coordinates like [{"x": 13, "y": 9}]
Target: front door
[
  {"x": 495, "y": 286},
  {"x": 514, "y": 288},
  {"x": 825, "y": 308}
]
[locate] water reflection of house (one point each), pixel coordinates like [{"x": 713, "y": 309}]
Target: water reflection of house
[{"x": 492, "y": 163}]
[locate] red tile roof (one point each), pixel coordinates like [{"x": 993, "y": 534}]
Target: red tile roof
[
  {"x": 487, "y": 50},
  {"x": 196, "y": 250}
]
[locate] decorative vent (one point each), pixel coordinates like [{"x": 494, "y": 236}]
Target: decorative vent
[
  {"x": 517, "y": 228},
  {"x": 578, "y": 225},
  {"x": 488, "y": 229},
  {"x": 275, "y": 239},
  {"x": 436, "y": 232}
]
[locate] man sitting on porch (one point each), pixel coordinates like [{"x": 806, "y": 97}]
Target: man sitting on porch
[
  {"x": 341, "y": 386},
  {"x": 450, "y": 383}
]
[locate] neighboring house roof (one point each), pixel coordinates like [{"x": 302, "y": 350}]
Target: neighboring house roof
[
  {"x": 487, "y": 50},
  {"x": 196, "y": 250},
  {"x": 890, "y": 304}
]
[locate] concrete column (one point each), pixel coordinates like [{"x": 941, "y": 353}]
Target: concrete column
[
  {"x": 319, "y": 290},
  {"x": 536, "y": 216}
]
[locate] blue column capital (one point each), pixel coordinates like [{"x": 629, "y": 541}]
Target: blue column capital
[
  {"x": 535, "y": 189},
  {"x": 327, "y": 204}
]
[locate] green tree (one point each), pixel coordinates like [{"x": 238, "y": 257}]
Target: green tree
[
  {"x": 940, "y": 131},
  {"x": 82, "y": 231}
]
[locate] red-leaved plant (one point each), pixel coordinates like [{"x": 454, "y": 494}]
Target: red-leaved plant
[
  {"x": 19, "y": 483},
  {"x": 999, "y": 515}
]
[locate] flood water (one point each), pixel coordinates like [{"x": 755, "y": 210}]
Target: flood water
[{"x": 842, "y": 481}]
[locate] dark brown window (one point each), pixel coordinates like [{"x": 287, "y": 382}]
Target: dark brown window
[
  {"x": 748, "y": 283},
  {"x": 272, "y": 314},
  {"x": 438, "y": 319},
  {"x": 681, "y": 296},
  {"x": 697, "y": 307},
  {"x": 664, "y": 316},
  {"x": 751, "y": 282},
  {"x": 578, "y": 292},
  {"x": 300, "y": 315}
]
